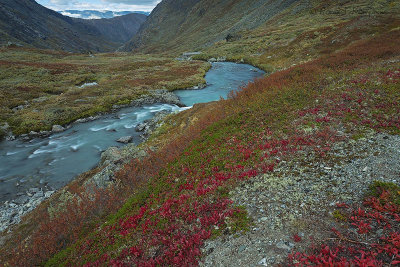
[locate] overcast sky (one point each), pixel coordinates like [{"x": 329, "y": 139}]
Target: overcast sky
[{"x": 114, "y": 5}]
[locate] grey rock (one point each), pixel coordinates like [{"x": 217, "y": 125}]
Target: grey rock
[
  {"x": 48, "y": 194},
  {"x": 125, "y": 139},
  {"x": 282, "y": 245},
  {"x": 21, "y": 200},
  {"x": 104, "y": 177},
  {"x": 112, "y": 154},
  {"x": 57, "y": 129},
  {"x": 150, "y": 125},
  {"x": 263, "y": 262},
  {"x": 140, "y": 127},
  {"x": 158, "y": 96},
  {"x": 10, "y": 138}
]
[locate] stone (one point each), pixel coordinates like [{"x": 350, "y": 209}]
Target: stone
[
  {"x": 104, "y": 177},
  {"x": 57, "y": 129},
  {"x": 365, "y": 169},
  {"x": 112, "y": 154},
  {"x": 125, "y": 139},
  {"x": 140, "y": 127},
  {"x": 263, "y": 262},
  {"x": 282, "y": 245},
  {"x": 21, "y": 200},
  {"x": 241, "y": 248},
  {"x": 10, "y": 138},
  {"x": 48, "y": 194}
]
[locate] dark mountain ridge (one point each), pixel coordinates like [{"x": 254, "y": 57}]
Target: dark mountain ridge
[
  {"x": 119, "y": 29},
  {"x": 27, "y": 23}
]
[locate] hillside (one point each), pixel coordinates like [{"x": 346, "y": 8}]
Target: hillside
[
  {"x": 298, "y": 168},
  {"x": 180, "y": 24},
  {"x": 25, "y": 22}
]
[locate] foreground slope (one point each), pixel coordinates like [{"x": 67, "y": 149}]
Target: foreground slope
[{"x": 27, "y": 23}]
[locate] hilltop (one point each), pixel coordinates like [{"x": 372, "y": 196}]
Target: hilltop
[{"x": 24, "y": 22}]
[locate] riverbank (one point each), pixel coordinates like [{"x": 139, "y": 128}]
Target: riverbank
[
  {"x": 220, "y": 84},
  {"x": 52, "y": 91},
  {"x": 154, "y": 96}
]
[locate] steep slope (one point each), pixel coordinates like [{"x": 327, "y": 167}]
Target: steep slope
[
  {"x": 119, "y": 29},
  {"x": 28, "y": 23},
  {"x": 175, "y": 24}
]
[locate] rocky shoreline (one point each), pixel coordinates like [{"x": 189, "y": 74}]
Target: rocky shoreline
[{"x": 155, "y": 96}]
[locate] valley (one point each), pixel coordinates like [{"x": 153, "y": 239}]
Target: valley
[{"x": 296, "y": 168}]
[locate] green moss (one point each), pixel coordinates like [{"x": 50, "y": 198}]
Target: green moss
[
  {"x": 339, "y": 216},
  {"x": 240, "y": 221},
  {"x": 377, "y": 187},
  {"x": 358, "y": 136}
]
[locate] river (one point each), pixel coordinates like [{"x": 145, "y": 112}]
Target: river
[{"x": 52, "y": 162}]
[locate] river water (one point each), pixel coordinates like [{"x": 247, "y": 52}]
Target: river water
[{"x": 52, "y": 162}]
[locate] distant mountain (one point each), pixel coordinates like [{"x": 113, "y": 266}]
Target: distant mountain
[
  {"x": 26, "y": 22},
  {"x": 120, "y": 29},
  {"x": 193, "y": 24},
  {"x": 95, "y": 14}
]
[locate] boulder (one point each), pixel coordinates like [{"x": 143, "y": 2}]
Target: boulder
[
  {"x": 112, "y": 154},
  {"x": 140, "y": 127},
  {"x": 57, "y": 129},
  {"x": 125, "y": 139},
  {"x": 104, "y": 177}
]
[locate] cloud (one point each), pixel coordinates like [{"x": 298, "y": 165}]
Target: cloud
[
  {"x": 100, "y": 5},
  {"x": 60, "y": 2},
  {"x": 132, "y": 2}
]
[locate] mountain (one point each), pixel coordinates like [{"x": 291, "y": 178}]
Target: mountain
[
  {"x": 95, "y": 14},
  {"x": 27, "y": 23},
  {"x": 120, "y": 29},
  {"x": 196, "y": 23}
]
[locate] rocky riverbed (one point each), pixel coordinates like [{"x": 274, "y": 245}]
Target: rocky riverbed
[
  {"x": 299, "y": 198},
  {"x": 111, "y": 159}
]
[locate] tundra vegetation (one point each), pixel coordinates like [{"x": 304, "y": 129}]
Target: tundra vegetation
[
  {"x": 41, "y": 88},
  {"x": 162, "y": 208}
]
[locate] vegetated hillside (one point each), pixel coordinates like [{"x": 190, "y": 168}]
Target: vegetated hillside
[
  {"x": 268, "y": 165},
  {"x": 119, "y": 29},
  {"x": 269, "y": 34},
  {"x": 175, "y": 24},
  {"x": 27, "y": 23},
  {"x": 179, "y": 197}
]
